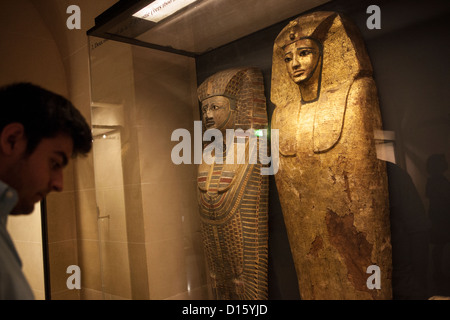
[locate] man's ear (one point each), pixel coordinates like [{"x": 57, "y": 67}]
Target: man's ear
[{"x": 13, "y": 139}]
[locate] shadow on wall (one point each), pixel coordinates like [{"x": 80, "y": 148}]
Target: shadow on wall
[
  {"x": 410, "y": 229},
  {"x": 438, "y": 193},
  {"x": 420, "y": 241}
]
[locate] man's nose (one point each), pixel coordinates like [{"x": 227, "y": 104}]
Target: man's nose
[{"x": 57, "y": 181}]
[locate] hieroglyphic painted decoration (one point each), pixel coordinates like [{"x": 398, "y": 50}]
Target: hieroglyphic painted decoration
[
  {"x": 332, "y": 188},
  {"x": 233, "y": 197}
]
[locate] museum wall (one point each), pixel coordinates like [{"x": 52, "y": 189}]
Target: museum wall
[
  {"x": 410, "y": 68},
  {"x": 72, "y": 241}
]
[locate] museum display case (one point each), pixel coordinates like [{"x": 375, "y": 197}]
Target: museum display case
[{"x": 358, "y": 205}]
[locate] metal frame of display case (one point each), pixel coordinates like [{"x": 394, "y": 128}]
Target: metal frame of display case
[
  {"x": 119, "y": 18},
  {"x": 118, "y": 23}
]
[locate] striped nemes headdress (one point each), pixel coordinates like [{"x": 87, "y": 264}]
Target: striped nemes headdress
[{"x": 244, "y": 87}]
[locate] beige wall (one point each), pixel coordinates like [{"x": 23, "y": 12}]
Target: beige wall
[
  {"x": 29, "y": 52},
  {"x": 71, "y": 239}
]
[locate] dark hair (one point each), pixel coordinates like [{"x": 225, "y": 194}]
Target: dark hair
[{"x": 43, "y": 114}]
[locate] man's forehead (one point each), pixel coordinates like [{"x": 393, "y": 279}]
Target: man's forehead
[{"x": 60, "y": 145}]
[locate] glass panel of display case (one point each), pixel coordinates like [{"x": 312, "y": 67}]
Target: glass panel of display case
[{"x": 194, "y": 27}]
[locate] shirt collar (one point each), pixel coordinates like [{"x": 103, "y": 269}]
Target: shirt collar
[{"x": 8, "y": 200}]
